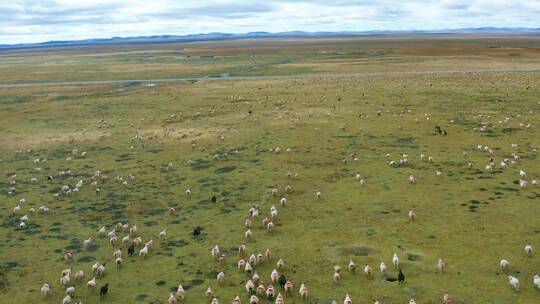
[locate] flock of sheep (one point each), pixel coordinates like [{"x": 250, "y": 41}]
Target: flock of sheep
[{"x": 279, "y": 287}]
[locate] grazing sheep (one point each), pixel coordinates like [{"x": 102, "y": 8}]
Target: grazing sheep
[
  {"x": 382, "y": 267},
  {"x": 279, "y": 299},
  {"x": 248, "y": 268},
  {"x": 163, "y": 234},
  {"x": 117, "y": 253},
  {"x": 113, "y": 240},
  {"x": 100, "y": 271},
  {"x": 368, "y": 270},
  {"x": 280, "y": 263},
  {"x": 447, "y": 299},
  {"x": 253, "y": 299},
  {"x": 133, "y": 230},
  {"x": 137, "y": 241},
  {"x": 172, "y": 299},
  {"x": 261, "y": 290},
  {"x": 45, "y": 289},
  {"x": 318, "y": 195},
  {"x": 441, "y": 265},
  {"x": 395, "y": 260},
  {"x": 91, "y": 283},
  {"x": 70, "y": 291},
  {"x": 180, "y": 293},
  {"x": 303, "y": 291},
  {"x": 79, "y": 275},
  {"x": 536, "y": 281},
  {"x": 95, "y": 266},
  {"x": 283, "y": 201},
  {"x": 351, "y": 266},
  {"x": 288, "y": 287},
  {"x": 220, "y": 277},
  {"x": 87, "y": 243},
  {"x": 255, "y": 278},
  {"x": 237, "y": 300},
  {"x": 215, "y": 301},
  {"x": 412, "y": 179},
  {"x": 347, "y": 299},
  {"x": 248, "y": 234},
  {"x": 64, "y": 280},
  {"x": 144, "y": 252},
  {"x": 209, "y": 292},
  {"x": 412, "y": 301},
  {"x": 66, "y": 300},
  {"x": 504, "y": 264},
  {"x": 215, "y": 251},
  {"x": 337, "y": 277},
  {"x": 268, "y": 253},
  {"x": 252, "y": 259},
  {"x": 412, "y": 215},
  {"x": 102, "y": 231},
  {"x": 241, "y": 264},
  {"x": 514, "y": 282},
  {"x": 270, "y": 292},
  {"x": 274, "y": 275},
  {"x": 104, "y": 290},
  {"x": 242, "y": 249},
  {"x": 249, "y": 286}
]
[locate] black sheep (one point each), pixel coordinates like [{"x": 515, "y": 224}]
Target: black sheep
[
  {"x": 282, "y": 281},
  {"x": 401, "y": 277},
  {"x": 104, "y": 290},
  {"x": 131, "y": 250}
]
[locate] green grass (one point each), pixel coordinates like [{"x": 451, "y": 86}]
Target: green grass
[{"x": 467, "y": 216}]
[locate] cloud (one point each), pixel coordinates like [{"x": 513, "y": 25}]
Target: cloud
[{"x": 40, "y": 20}]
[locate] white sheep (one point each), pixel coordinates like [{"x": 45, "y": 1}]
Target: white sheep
[
  {"x": 536, "y": 281},
  {"x": 220, "y": 277},
  {"x": 45, "y": 289},
  {"x": 144, "y": 252},
  {"x": 172, "y": 299},
  {"x": 351, "y": 266},
  {"x": 514, "y": 282},
  {"x": 91, "y": 283},
  {"x": 528, "y": 250},
  {"x": 66, "y": 300},
  {"x": 274, "y": 275},
  {"x": 163, "y": 234},
  {"x": 303, "y": 291},
  {"x": 395, "y": 260},
  {"x": 382, "y": 267},
  {"x": 70, "y": 290},
  {"x": 504, "y": 264},
  {"x": 79, "y": 275}
]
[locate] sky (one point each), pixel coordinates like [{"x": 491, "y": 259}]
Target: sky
[{"x": 28, "y": 21}]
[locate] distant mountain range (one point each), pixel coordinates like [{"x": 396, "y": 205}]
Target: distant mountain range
[{"x": 259, "y": 35}]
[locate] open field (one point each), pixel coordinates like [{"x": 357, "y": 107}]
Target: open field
[{"x": 219, "y": 138}]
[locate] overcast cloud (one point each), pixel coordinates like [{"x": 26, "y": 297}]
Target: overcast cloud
[{"x": 23, "y": 21}]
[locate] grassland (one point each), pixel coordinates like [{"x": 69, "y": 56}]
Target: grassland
[{"x": 470, "y": 217}]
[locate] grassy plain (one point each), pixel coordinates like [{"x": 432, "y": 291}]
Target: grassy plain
[{"x": 470, "y": 217}]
